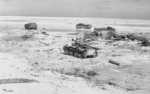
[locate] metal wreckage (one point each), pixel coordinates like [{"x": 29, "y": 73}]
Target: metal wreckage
[{"x": 81, "y": 49}]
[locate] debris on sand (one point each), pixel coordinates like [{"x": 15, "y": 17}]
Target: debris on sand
[
  {"x": 112, "y": 83},
  {"x": 114, "y": 62},
  {"x": 118, "y": 37},
  {"x": 16, "y": 80},
  {"x": 26, "y": 37},
  {"x": 44, "y": 33},
  {"x": 7, "y": 90},
  {"x": 91, "y": 73},
  {"x": 143, "y": 40}
]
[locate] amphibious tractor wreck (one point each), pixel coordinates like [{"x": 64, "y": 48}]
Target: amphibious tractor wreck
[
  {"x": 80, "y": 50},
  {"x": 30, "y": 26}
]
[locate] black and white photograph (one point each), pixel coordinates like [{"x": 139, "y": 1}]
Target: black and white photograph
[{"x": 74, "y": 46}]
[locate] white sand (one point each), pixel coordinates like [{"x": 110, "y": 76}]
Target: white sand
[{"x": 41, "y": 59}]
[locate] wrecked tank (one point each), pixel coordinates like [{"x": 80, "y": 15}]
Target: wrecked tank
[{"x": 80, "y": 50}]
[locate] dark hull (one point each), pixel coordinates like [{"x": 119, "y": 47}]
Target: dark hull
[{"x": 78, "y": 52}]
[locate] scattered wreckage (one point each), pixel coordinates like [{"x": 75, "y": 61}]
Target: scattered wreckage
[
  {"x": 109, "y": 33},
  {"x": 80, "y": 50},
  {"x": 143, "y": 40},
  {"x": 32, "y": 30}
]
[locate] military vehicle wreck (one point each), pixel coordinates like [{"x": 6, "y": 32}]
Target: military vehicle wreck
[
  {"x": 31, "y": 26},
  {"x": 83, "y": 26},
  {"x": 109, "y": 33},
  {"x": 105, "y": 33},
  {"x": 143, "y": 40},
  {"x": 80, "y": 50}
]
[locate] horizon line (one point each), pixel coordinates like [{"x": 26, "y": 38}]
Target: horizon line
[{"x": 76, "y": 17}]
